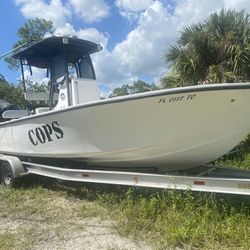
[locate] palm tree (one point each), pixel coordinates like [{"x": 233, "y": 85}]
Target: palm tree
[{"x": 215, "y": 50}]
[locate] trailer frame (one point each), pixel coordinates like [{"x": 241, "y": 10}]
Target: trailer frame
[{"x": 207, "y": 178}]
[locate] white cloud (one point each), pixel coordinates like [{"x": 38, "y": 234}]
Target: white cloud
[
  {"x": 131, "y": 9},
  {"x": 191, "y": 11},
  {"x": 38, "y": 75},
  {"x": 239, "y": 4},
  {"x": 66, "y": 30},
  {"x": 93, "y": 35},
  {"x": 133, "y": 5},
  {"x": 59, "y": 13},
  {"x": 90, "y": 11},
  {"x": 54, "y": 11},
  {"x": 142, "y": 50}
]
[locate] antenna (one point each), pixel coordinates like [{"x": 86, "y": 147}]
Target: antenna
[{"x": 13, "y": 50}]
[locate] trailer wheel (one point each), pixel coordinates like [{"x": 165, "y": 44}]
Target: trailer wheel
[{"x": 7, "y": 175}]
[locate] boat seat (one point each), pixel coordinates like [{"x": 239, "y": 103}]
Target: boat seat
[
  {"x": 36, "y": 96},
  {"x": 41, "y": 110},
  {"x": 14, "y": 114}
]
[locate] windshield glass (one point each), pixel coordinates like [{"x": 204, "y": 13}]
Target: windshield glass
[
  {"x": 58, "y": 68},
  {"x": 86, "y": 68},
  {"x": 58, "y": 76}
]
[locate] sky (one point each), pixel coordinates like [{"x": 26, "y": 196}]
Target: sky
[{"x": 134, "y": 34}]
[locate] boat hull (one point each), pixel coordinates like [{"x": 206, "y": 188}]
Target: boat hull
[{"x": 169, "y": 129}]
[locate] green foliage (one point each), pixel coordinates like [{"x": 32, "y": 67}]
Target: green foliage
[
  {"x": 7, "y": 240},
  {"x": 238, "y": 157},
  {"x": 137, "y": 87},
  {"x": 215, "y": 50},
  {"x": 14, "y": 94},
  {"x": 172, "y": 82},
  {"x": 36, "y": 216},
  {"x": 36, "y": 87},
  {"x": 11, "y": 93},
  {"x": 181, "y": 220},
  {"x": 32, "y": 30},
  {"x": 120, "y": 91}
]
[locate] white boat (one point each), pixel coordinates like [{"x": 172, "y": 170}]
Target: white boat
[{"x": 168, "y": 129}]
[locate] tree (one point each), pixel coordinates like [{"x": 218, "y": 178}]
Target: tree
[
  {"x": 32, "y": 30},
  {"x": 172, "y": 81},
  {"x": 36, "y": 86},
  {"x": 120, "y": 91},
  {"x": 137, "y": 87},
  {"x": 215, "y": 50},
  {"x": 11, "y": 93}
]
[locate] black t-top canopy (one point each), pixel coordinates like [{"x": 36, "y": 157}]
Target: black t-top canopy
[{"x": 40, "y": 54}]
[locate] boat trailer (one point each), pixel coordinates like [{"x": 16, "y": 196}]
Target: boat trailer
[{"x": 207, "y": 178}]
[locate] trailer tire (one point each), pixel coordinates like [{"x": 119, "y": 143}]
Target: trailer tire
[{"x": 7, "y": 175}]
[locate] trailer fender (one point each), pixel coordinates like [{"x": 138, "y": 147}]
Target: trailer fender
[{"x": 15, "y": 164}]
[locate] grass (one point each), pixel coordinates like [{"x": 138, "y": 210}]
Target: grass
[
  {"x": 36, "y": 215},
  {"x": 7, "y": 240},
  {"x": 240, "y": 164},
  {"x": 181, "y": 219},
  {"x": 164, "y": 219}
]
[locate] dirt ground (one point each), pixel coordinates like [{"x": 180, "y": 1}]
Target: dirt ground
[
  {"x": 28, "y": 221},
  {"x": 88, "y": 234}
]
